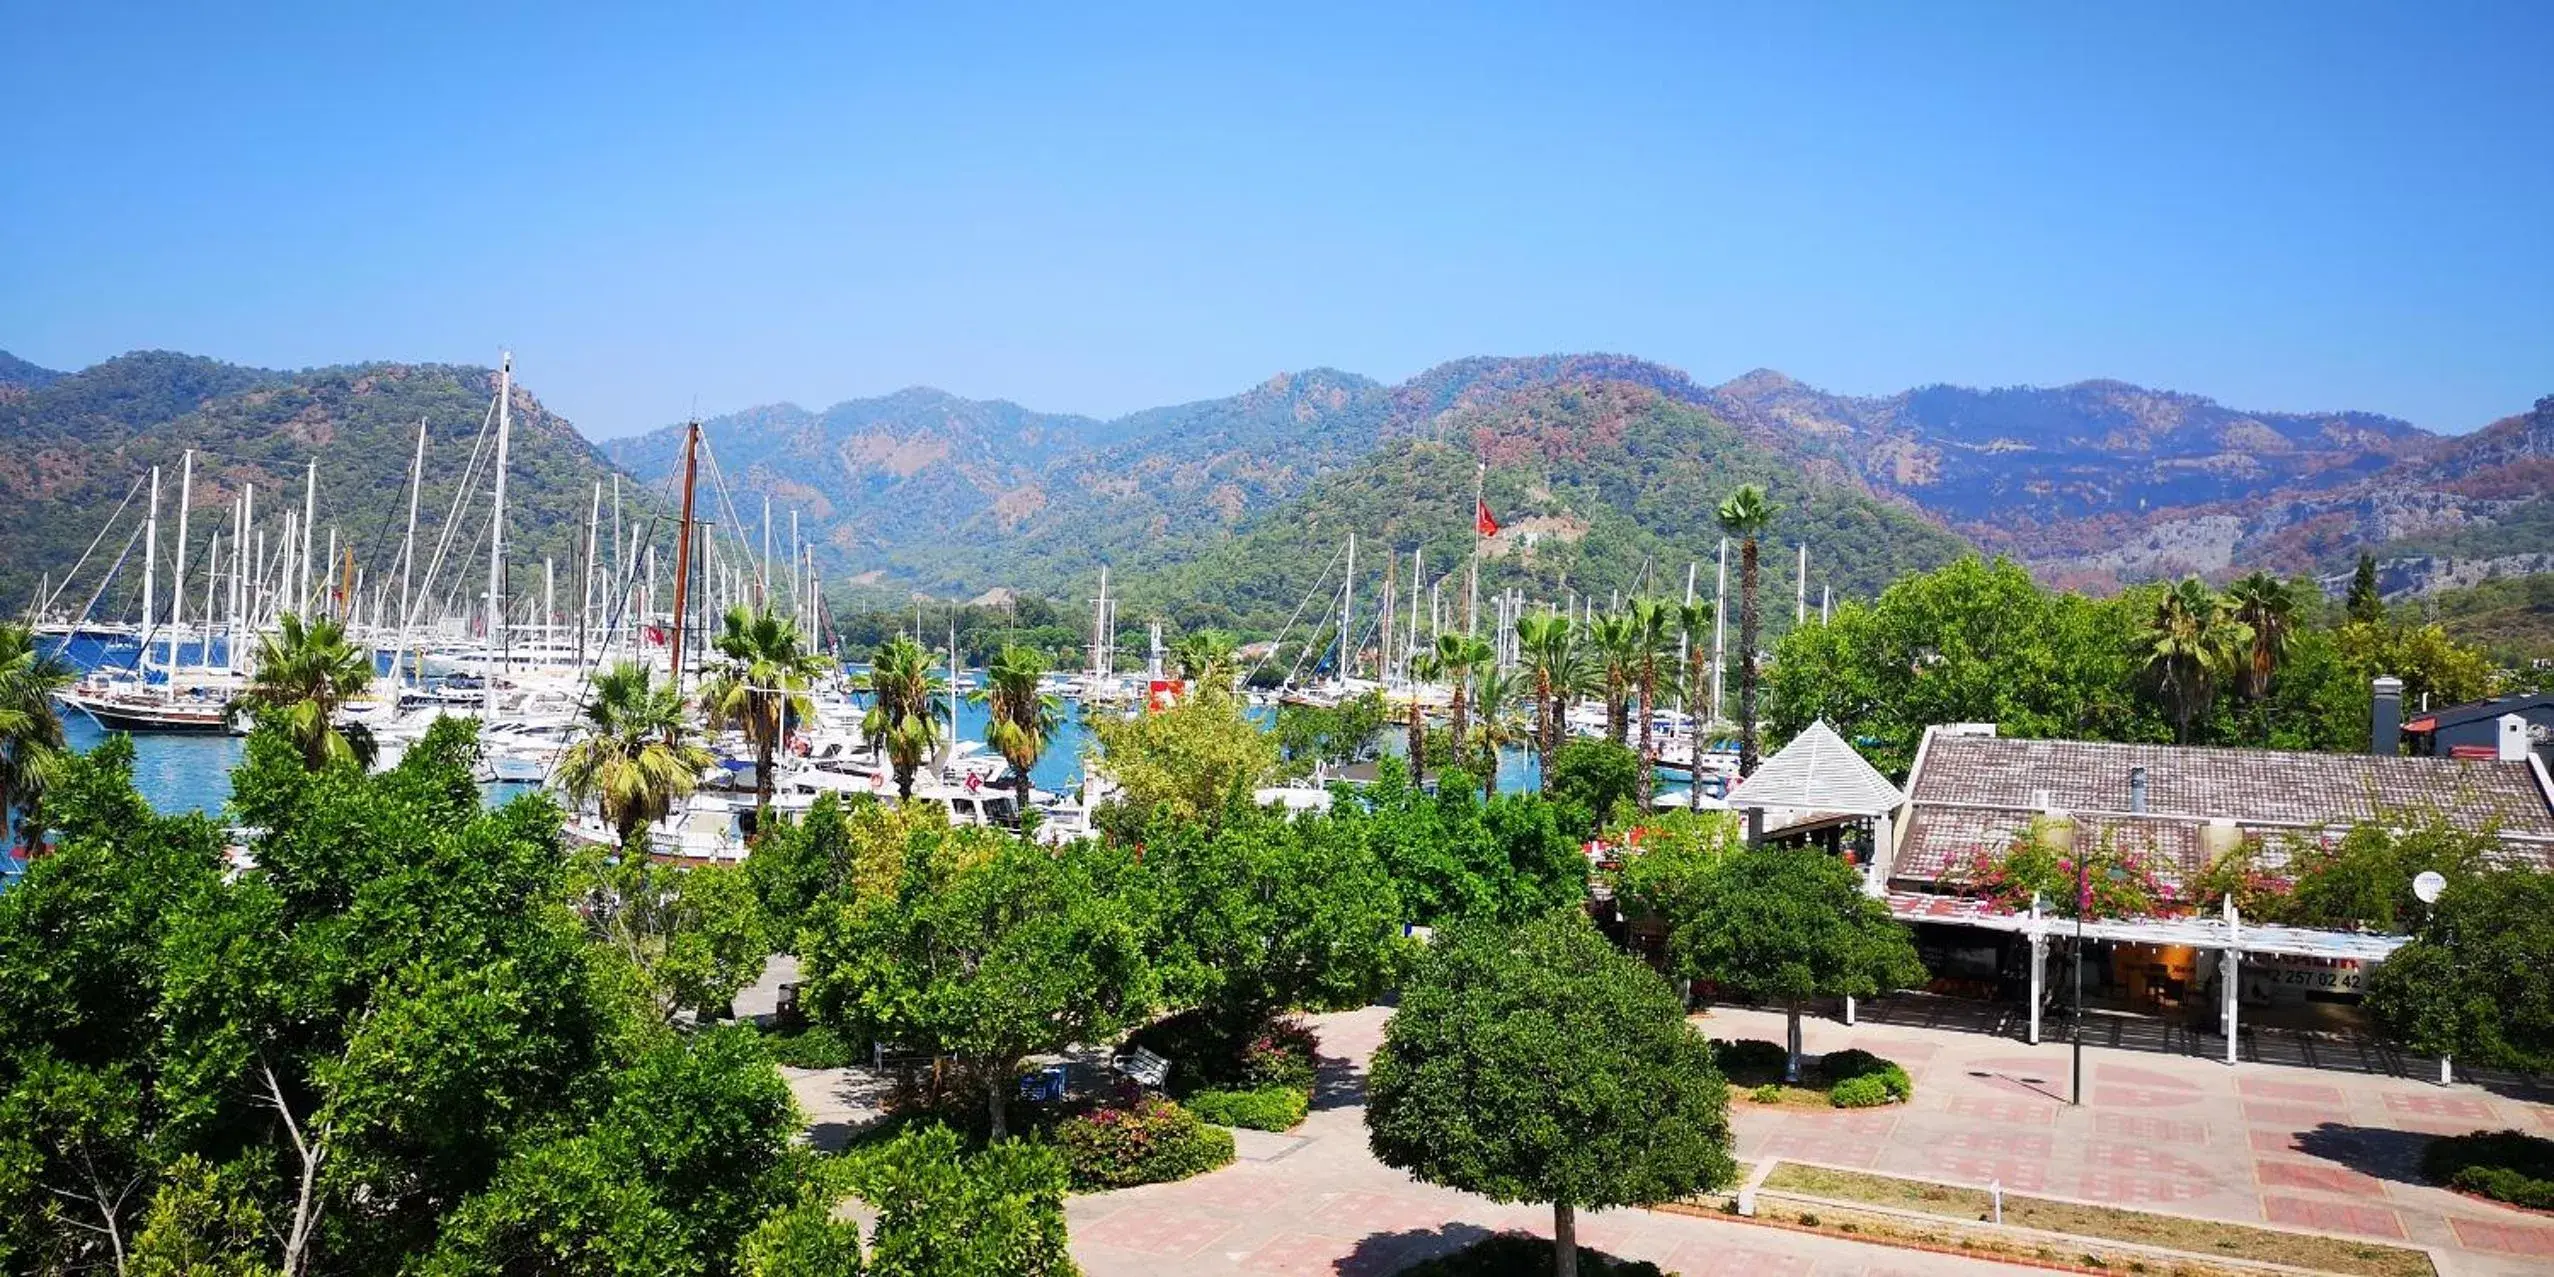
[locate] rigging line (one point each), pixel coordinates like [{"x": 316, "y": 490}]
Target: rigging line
[
  {"x": 735, "y": 521},
  {"x": 451, "y": 520},
  {"x": 109, "y": 578},
  {"x": 94, "y": 541},
  {"x": 585, "y": 676},
  {"x": 1289, "y": 626}
]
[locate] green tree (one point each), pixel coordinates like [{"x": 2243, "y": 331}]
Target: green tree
[
  {"x": 760, "y": 684},
  {"x": 2364, "y": 878},
  {"x": 1554, "y": 661},
  {"x": 1694, "y": 626},
  {"x": 304, "y": 672},
  {"x": 1596, "y": 776},
  {"x": 1205, "y": 659},
  {"x": 1497, "y": 723},
  {"x": 1458, "y": 657},
  {"x": 691, "y": 937},
  {"x": 1024, "y": 717},
  {"x": 30, "y": 728},
  {"x": 986, "y": 953},
  {"x": 2267, "y": 608},
  {"x": 944, "y": 1212},
  {"x": 2366, "y": 605},
  {"x": 901, "y": 691},
  {"x": 1190, "y": 758},
  {"x": 1653, "y": 626},
  {"x": 1423, "y": 669},
  {"x": 2193, "y": 644},
  {"x": 851, "y": 847},
  {"x": 1453, "y": 855},
  {"x": 1746, "y": 514},
  {"x": 633, "y": 757},
  {"x": 1541, "y": 1064},
  {"x": 1784, "y": 926},
  {"x": 2474, "y": 982}
]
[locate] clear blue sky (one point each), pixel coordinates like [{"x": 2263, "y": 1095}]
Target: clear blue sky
[{"x": 2283, "y": 205}]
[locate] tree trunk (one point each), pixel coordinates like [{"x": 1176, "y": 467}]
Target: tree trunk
[
  {"x": 1648, "y": 779},
  {"x": 994, "y": 1106},
  {"x": 1791, "y": 1043},
  {"x": 1418, "y": 740},
  {"x": 1543, "y": 717},
  {"x": 762, "y": 780},
  {"x": 1565, "y": 1241},
  {"x": 1747, "y": 620},
  {"x": 1694, "y": 724},
  {"x": 1020, "y": 784}
]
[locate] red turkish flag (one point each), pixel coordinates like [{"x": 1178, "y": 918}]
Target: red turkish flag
[{"x": 1482, "y": 520}]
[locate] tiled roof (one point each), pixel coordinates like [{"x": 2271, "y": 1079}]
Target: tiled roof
[
  {"x": 1817, "y": 771},
  {"x": 1973, "y": 792},
  {"x": 2264, "y": 787}
]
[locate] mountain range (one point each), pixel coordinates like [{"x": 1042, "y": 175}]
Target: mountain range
[{"x": 1603, "y": 469}]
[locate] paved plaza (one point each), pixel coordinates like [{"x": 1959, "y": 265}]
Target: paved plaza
[{"x": 2320, "y": 1149}]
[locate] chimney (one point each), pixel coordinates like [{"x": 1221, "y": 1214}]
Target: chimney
[
  {"x": 2513, "y": 738},
  {"x": 2385, "y": 716},
  {"x": 2137, "y": 790}
]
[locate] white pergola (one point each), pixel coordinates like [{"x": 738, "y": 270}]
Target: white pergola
[{"x": 2228, "y": 934}]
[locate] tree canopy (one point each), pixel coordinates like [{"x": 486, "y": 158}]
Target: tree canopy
[{"x": 2475, "y": 983}]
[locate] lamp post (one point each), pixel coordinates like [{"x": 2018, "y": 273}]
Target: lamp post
[{"x": 2427, "y": 887}]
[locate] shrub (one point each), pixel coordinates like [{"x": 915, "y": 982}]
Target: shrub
[
  {"x": 948, "y": 1213},
  {"x": 1517, "y": 1255},
  {"x": 1846, "y": 1066},
  {"x": 1769, "y": 1093},
  {"x": 1280, "y": 1054},
  {"x": 2507, "y": 1166},
  {"x": 1864, "y": 1092},
  {"x": 1750, "y": 1059},
  {"x": 1152, "y": 1142},
  {"x": 1269, "y": 1108},
  {"x": 813, "y": 1047}
]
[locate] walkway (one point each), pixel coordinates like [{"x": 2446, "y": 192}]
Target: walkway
[{"x": 1315, "y": 1201}]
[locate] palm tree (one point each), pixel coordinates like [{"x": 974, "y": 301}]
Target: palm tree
[
  {"x": 761, "y": 685},
  {"x": 30, "y": 729},
  {"x": 1204, "y": 658},
  {"x": 1458, "y": 655},
  {"x": 1745, "y": 515},
  {"x": 1024, "y": 717},
  {"x": 635, "y": 758},
  {"x": 1617, "y": 642},
  {"x": 1496, "y": 723},
  {"x": 1424, "y": 668},
  {"x": 305, "y": 671},
  {"x": 1694, "y": 623},
  {"x": 2193, "y": 642},
  {"x": 1652, "y": 623},
  {"x": 899, "y": 721},
  {"x": 2268, "y": 607},
  {"x": 1552, "y": 661}
]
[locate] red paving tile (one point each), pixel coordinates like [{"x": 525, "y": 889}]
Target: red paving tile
[
  {"x": 2300, "y": 1117},
  {"x": 2130, "y": 1188},
  {"x": 1155, "y": 1231},
  {"x": 1839, "y": 1150},
  {"x": 1712, "y": 1259},
  {"x": 2274, "y": 1142},
  {"x": 1302, "y": 1253},
  {"x": 2127, "y": 1076},
  {"x": 1998, "y": 1144},
  {"x": 2332, "y": 1217},
  {"x": 2320, "y": 1176},
  {"x": 2505, "y": 1239},
  {"x": 2142, "y": 1097},
  {"x": 2014, "y": 1173},
  {"x": 1358, "y": 1214},
  {"x": 1845, "y": 1121},
  {"x": 2153, "y": 1130},
  {"x": 2465, "y": 1108},
  {"x": 1243, "y": 1190},
  {"x": 2299, "y": 1092},
  {"x": 2006, "y": 1112},
  {"x": 2140, "y": 1157}
]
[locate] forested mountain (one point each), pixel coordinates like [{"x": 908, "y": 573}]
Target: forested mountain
[
  {"x": 73, "y": 449},
  {"x": 1599, "y": 487},
  {"x": 16, "y": 372}
]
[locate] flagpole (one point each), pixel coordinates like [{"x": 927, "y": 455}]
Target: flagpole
[{"x": 1472, "y": 572}]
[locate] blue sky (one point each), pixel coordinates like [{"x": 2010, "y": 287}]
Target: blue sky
[{"x": 1094, "y": 209}]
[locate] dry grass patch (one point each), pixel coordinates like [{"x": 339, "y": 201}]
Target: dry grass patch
[{"x": 2109, "y": 1223}]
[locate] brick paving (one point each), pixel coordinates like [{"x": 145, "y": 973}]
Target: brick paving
[{"x": 2258, "y": 1143}]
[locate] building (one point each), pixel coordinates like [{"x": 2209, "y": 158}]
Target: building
[{"x": 2474, "y": 730}]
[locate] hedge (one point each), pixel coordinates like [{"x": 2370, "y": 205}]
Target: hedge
[
  {"x": 1750, "y": 1058},
  {"x": 1153, "y": 1142},
  {"x": 1865, "y": 1092},
  {"x": 1519, "y": 1255},
  {"x": 1269, "y": 1108},
  {"x": 2508, "y": 1166},
  {"x": 1853, "y": 1066}
]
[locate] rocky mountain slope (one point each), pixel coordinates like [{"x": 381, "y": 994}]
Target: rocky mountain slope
[{"x": 72, "y": 448}]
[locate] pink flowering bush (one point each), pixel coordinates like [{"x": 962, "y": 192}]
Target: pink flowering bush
[
  {"x": 1151, "y": 1141},
  {"x": 2117, "y": 883}
]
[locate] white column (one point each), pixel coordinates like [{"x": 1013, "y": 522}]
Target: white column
[
  {"x": 2231, "y": 964},
  {"x": 2039, "y": 973}
]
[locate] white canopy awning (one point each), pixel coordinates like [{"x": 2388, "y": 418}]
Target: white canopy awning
[{"x": 1817, "y": 771}]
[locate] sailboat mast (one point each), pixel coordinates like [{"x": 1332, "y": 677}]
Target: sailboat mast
[
  {"x": 408, "y": 553},
  {"x": 1347, "y": 611},
  {"x": 150, "y": 574},
  {"x": 310, "y": 520},
  {"x": 1720, "y": 626},
  {"x": 683, "y": 544},
  {"x": 585, "y": 599},
  {"x": 496, "y": 530},
  {"x": 177, "y": 558}
]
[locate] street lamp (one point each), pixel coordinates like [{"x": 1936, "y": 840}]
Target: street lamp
[{"x": 2427, "y": 887}]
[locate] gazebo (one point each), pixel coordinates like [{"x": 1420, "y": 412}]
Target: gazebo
[{"x": 1819, "y": 775}]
